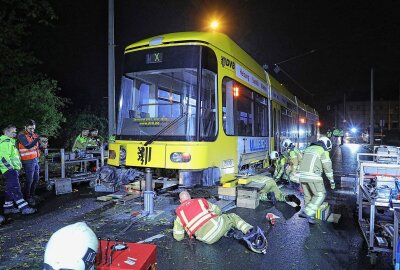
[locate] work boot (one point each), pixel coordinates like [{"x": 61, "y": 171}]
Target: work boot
[
  {"x": 28, "y": 210},
  {"x": 302, "y": 214},
  {"x": 11, "y": 210},
  {"x": 311, "y": 220},
  {"x": 292, "y": 198},
  {"x": 271, "y": 197},
  {"x": 31, "y": 201}
]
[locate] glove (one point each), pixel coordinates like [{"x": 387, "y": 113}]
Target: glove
[{"x": 333, "y": 186}]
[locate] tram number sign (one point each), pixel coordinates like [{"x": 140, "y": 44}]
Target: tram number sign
[
  {"x": 153, "y": 58},
  {"x": 144, "y": 154}
]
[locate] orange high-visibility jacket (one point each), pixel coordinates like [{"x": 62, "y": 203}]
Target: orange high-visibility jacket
[{"x": 29, "y": 154}]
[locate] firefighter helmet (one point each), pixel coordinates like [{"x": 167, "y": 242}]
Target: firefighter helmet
[
  {"x": 286, "y": 143},
  {"x": 326, "y": 142},
  {"x": 274, "y": 155},
  {"x": 71, "y": 247},
  {"x": 256, "y": 241}
]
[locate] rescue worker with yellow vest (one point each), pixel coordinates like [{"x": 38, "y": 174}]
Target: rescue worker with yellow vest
[
  {"x": 10, "y": 164},
  {"x": 315, "y": 161},
  {"x": 271, "y": 192},
  {"x": 204, "y": 220},
  {"x": 293, "y": 159},
  {"x": 82, "y": 141},
  {"x": 279, "y": 161},
  {"x": 95, "y": 140},
  {"x": 29, "y": 149},
  {"x": 336, "y": 135}
]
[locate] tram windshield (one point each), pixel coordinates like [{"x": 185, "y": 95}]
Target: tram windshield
[{"x": 162, "y": 98}]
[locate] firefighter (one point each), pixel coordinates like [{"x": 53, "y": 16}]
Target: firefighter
[
  {"x": 279, "y": 161},
  {"x": 95, "y": 139},
  {"x": 204, "y": 220},
  {"x": 82, "y": 141},
  {"x": 10, "y": 164},
  {"x": 271, "y": 192},
  {"x": 336, "y": 135},
  {"x": 315, "y": 161},
  {"x": 293, "y": 158},
  {"x": 341, "y": 135},
  {"x": 29, "y": 149}
]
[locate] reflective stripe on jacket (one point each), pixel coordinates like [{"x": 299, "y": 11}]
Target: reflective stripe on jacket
[
  {"x": 315, "y": 161},
  {"x": 193, "y": 214},
  {"x": 29, "y": 153},
  {"x": 9, "y": 155}
]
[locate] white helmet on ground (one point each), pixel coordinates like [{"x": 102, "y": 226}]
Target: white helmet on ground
[
  {"x": 286, "y": 143},
  {"x": 71, "y": 247},
  {"x": 274, "y": 155},
  {"x": 327, "y": 143}
]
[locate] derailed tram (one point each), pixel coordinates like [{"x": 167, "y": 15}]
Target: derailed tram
[{"x": 196, "y": 107}]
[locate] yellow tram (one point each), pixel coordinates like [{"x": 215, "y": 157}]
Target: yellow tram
[{"x": 196, "y": 107}]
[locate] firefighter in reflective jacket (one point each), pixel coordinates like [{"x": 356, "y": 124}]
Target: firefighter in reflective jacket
[
  {"x": 293, "y": 159},
  {"x": 29, "y": 150},
  {"x": 204, "y": 220},
  {"x": 315, "y": 161},
  {"x": 10, "y": 164},
  {"x": 279, "y": 161}
]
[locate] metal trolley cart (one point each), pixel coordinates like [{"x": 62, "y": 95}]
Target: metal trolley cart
[
  {"x": 62, "y": 159},
  {"x": 374, "y": 177}
]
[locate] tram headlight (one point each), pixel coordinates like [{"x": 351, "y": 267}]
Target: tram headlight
[
  {"x": 122, "y": 154},
  {"x": 180, "y": 157}
]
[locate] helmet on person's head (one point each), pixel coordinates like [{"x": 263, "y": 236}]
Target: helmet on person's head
[
  {"x": 71, "y": 247},
  {"x": 286, "y": 143},
  {"x": 327, "y": 143},
  {"x": 256, "y": 241},
  {"x": 274, "y": 155}
]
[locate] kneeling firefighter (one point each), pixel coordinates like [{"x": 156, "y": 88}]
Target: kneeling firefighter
[{"x": 204, "y": 221}]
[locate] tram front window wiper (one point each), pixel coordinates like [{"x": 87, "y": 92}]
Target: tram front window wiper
[{"x": 166, "y": 128}]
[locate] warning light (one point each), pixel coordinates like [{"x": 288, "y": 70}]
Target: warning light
[
  {"x": 318, "y": 124},
  {"x": 235, "y": 91},
  {"x": 302, "y": 120}
]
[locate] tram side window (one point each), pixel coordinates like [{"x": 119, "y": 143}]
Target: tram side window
[
  {"x": 244, "y": 112},
  {"x": 260, "y": 116}
]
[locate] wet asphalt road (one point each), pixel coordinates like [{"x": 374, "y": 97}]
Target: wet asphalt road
[{"x": 293, "y": 243}]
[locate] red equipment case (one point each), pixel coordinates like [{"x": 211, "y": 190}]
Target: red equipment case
[{"x": 136, "y": 256}]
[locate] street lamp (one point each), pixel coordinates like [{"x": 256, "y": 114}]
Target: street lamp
[{"x": 214, "y": 25}]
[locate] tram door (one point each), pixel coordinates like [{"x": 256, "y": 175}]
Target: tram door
[{"x": 277, "y": 128}]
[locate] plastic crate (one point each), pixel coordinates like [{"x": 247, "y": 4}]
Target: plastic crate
[{"x": 62, "y": 185}]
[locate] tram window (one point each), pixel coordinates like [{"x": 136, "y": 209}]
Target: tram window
[
  {"x": 260, "y": 116},
  {"x": 244, "y": 112}
]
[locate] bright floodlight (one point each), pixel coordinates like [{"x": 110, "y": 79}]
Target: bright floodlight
[
  {"x": 353, "y": 130},
  {"x": 214, "y": 25}
]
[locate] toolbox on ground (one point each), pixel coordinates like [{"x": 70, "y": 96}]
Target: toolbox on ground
[
  {"x": 247, "y": 197},
  {"x": 63, "y": 185},
  {"x": 133, "y": 256}
]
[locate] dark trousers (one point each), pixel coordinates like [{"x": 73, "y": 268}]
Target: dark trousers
[
  {"x": 12, "y": 192},
  {"x": 32, "y": 177}
]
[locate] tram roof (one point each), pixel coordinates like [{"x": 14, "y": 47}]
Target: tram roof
[{"x": 223, "y": 43}]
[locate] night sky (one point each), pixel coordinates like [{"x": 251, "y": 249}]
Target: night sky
[{"x": 332, "y": 44}]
